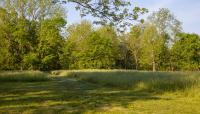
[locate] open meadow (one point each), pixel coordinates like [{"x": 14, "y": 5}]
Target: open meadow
[
  {"x": 99, "y": 91},
  {"x": 67, "y": 56}
]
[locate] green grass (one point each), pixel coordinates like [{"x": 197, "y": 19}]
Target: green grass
[
  {"x": 25, "y": 76},
  {"x": 109, "y": 92},
  {"x": 152, "y": 81}
]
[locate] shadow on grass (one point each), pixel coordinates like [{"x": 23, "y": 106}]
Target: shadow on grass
[
  {"x": 66, "y": 96},
  {"x": 94, "y": 92}
]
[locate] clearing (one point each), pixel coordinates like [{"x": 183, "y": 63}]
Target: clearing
[{"x": 108, "y": 92}]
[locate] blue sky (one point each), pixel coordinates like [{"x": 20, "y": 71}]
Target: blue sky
[{"x": 187, "y": 11}]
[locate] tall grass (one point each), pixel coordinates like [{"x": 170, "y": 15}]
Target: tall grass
[
  {"x": 151, "y": 81},
  {"x": 24, "y": 76}
]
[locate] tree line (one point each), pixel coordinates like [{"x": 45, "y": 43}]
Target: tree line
[{"x": 31, "y": 38}]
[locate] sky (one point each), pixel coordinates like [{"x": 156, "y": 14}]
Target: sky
[{"x": 187, "y": 11}]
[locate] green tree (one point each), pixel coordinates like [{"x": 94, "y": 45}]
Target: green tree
[
  {"x": 22, "y": 40},
  {"x": 50, "y": 43},
  {"x": 186, "y": 52},
  {"x": 76, "y": 33},
  {"x": 31, "y": 61},
  {"x": 4, "y": 44},
  {"x": 151, "y": 47},
  {"x": 98, "y": 50},
  {"x": 22, "y": 26},
  {"x": 134, "y": 44},
  {"x": 30, "y": 31},
  {"x": 167, "y": 26},
  {"x": 15, "y": 38},
  {"x": 110, "y": 45}
]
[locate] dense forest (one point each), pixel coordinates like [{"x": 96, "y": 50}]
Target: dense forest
[{"x": 37, "y": 38}]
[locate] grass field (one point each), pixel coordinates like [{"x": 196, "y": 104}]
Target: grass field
[{"x": 95, "y": 91}]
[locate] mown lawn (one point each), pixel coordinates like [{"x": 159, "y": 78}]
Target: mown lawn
[{"x": 120, "y": 92}]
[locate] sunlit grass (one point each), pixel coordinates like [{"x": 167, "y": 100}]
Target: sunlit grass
[
  {"x": 152, "y": 81},
  {"x": 103, "y": 91},
  {"x": 25, "y": 76}
]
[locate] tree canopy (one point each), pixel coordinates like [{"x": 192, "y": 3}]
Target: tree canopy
[{"x": 31, "y": 38}]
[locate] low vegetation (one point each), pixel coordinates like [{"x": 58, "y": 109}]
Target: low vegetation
[
  {"x": 100, "y": 91},
  {"x": 152, "y": 81},
  {"x": 27, "y": 76}
]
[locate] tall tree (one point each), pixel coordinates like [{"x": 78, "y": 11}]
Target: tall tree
[
  {"x": 134, "y": 43},
  {"x": 167, "y": 26},
  {"x": 151, "y": 47},
  {"x": 22, "y": 40},
  {"x": 4, "y": 44},
  {"x": 76, "y": 33},
  {"x": 165, "y": 22},
  {"x": 50, "y": 43},
  {"x": 16, "y": 33},
  {"x": 186, "y": 52},
  {"x": 23, "y": 24},
  {"x": 96, "y": 49}
]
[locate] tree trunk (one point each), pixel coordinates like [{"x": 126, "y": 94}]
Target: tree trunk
[
  {"x": 136, "y": 66},
  {"x": 21, "y": 68},
  {"x": 154, "y": 66},
  {"x": 136, "y": 63}
]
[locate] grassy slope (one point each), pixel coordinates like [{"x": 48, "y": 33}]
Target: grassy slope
[{"x": 105, "y": 91}]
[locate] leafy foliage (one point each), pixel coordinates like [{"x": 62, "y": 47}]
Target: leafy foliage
[
  {"x": 189, "y": 56},
  {"x": 109, "y": 12},
  {"x": 134, "y": 44},
  {"x": 96, "y": 49},
  {"x": 31, "y": 38},
  {"x": 151, "y": 47},
  {"x": 25, "y": 38},
  {"x": 50, "y": 43}
]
